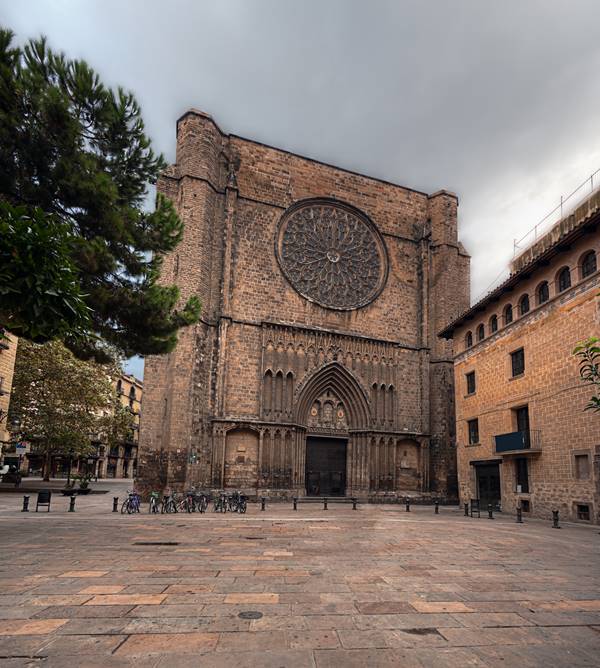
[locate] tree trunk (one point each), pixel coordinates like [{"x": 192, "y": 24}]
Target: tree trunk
[{"x": 47, "y": 464}]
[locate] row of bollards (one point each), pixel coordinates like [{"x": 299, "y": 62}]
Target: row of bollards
[
  {"x": 519, "y": 517},
  {"x": 263, "y": 503}
]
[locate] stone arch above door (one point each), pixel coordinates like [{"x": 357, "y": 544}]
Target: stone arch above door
[{"x": 345, "y": 392}]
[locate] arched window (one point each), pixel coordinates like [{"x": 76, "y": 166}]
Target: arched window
[
  {"x": 564, "y": 279},
  {"x": 480, "y": 332},
  {"x": 524, "y": 305},
  {"x": 543, "y": 293},
  {"x": 588, "y": 264},
  {"x": 494, "y": 323},
  {"x": 508, "y": 314},
  {"x": 469, "y": 339}
]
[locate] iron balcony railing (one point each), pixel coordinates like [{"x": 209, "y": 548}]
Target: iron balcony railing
[{"x": 518, "y": 440}]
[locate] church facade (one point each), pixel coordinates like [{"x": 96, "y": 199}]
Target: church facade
[{"x": 316, "y": 368}]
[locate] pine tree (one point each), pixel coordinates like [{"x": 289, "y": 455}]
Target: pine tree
[{"x": 75, "y": 159}]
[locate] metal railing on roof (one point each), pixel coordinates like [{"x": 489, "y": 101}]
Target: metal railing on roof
[{"x": 567, "y": 205}]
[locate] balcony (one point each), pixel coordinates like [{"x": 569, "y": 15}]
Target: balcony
[{"x": 521, "y": 443}]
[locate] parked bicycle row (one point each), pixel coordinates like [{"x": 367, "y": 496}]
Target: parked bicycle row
[{"x": 189, "y": 502}]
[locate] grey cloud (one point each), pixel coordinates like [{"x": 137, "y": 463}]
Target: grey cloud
[{"x": 494, "y": 100}]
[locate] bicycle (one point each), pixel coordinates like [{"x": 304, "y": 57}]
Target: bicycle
[
  {"x": 220, "y": 503},
  {"x": 131, "y": 503},
  {"x": 201, "y": 502},
  {"x": 168, "y": 504},
  {"x": 153, "y": 506}
]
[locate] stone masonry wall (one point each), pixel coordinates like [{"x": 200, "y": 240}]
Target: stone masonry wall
[
  {"x": 550, "y": 387},
  {"x": 231, "y": 194}
]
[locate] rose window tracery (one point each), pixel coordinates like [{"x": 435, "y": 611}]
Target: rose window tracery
[{"x": 332, "y": 254}]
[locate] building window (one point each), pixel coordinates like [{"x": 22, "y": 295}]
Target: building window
[
  {"x": 524, "y": 305},
  {"x": 480, "y": 332},
  {"x": 588, "y": 264},
  {"x": 473, "y": 431},
  {"x": 582, "y": 467},
  {"x": 119, "y": 386},
  {"x": 517, "y": 360},
  {"x": 583, "y": 512},
  {"x": 471, "y": 382},
  {"x": 508, "y": 314},
  {"x": 494, "y": 323},
  {"x": 522, "y": 419},
  {"x": 543, "y": 292},
  {"x": 522, "y": 475},
  {"x": 564, "y": 279},
  {"x": 469, "y": 339}
]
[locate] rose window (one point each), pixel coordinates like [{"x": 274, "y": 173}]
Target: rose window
[{"x": 332, "y": 254}]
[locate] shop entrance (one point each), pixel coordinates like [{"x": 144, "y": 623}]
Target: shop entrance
[{"x": 488, "y": 485}]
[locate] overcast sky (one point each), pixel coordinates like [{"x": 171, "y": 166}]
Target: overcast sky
[{"x": 497, "y": 101}]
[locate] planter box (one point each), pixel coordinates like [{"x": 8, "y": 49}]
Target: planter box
[
  {"x": 68, "y": 492},
  {"x": 87, "y": 490}
]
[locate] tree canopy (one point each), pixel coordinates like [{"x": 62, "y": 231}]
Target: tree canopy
[
  {"x": 60, "y": 402},
  {"x": 75, "y": 171}
]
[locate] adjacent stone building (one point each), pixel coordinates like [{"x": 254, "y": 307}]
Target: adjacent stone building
[
  {"x": 8, "y": 354},
  {"x": 523, "y": 436},
  {"x": 316, "y": 367},
  {"x": 120, "y": 461}
]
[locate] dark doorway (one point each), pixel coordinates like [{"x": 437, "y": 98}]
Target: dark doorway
[
  {"x": 488, "y": 485},
  {"x": 325, "y": 466}
]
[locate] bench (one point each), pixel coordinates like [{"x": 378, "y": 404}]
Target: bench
[{"x": 325, "y": 500}]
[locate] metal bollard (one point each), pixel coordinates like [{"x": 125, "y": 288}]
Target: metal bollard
[
  {"x": 408, "y": 505},
  {"x": 437, "y": 508},
  {"x": 25, "y": 504},
  {"x": 72, "y": 505},
  {"x": 490, "y": 512},
  {"x": 295, "y": 500},
  {"x": 519, "y": 515},
  {"x": 115, "y": 504},
  {"x": 354, "y": 503},
  {"x": 555, "y": 519},
  {"x": 263, "y": 502},
  {"x": 466, "y": 510},
  {"x": 325, "y": 503}
]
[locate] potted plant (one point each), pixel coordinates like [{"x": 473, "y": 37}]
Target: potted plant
[
  {"x": 84, "y": 483},
  {"x": 69, "y": 488}
]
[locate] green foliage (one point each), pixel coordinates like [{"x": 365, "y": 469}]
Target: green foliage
[
  {"x": 59, "y": 401},
  {"x": 588, "y": 352},
  {"x": 75, "y": 156},
  {"x": 39, "y": 290}
]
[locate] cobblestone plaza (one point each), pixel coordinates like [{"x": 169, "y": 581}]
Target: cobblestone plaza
[{"x": 377, "y": 586}]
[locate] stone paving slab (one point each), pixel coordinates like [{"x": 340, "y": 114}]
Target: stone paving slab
[{"x": 342, "y": 588}]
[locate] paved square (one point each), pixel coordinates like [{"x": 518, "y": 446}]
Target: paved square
[{"x": 372, "y": 587}]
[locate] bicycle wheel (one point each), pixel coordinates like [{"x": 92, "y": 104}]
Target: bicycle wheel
[{"x": 125, "y": 507}]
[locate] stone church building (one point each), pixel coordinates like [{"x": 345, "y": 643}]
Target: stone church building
[{"x": 316, "y": 367}]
